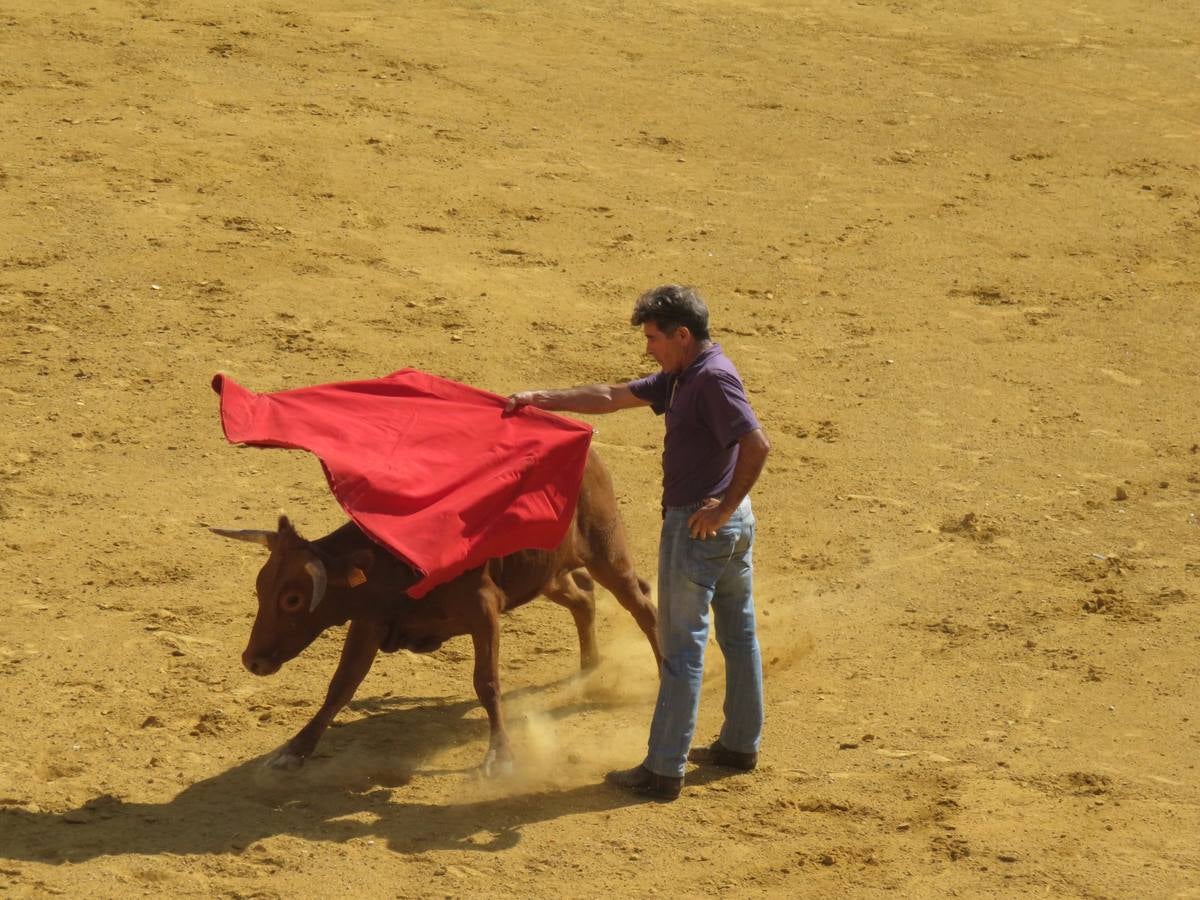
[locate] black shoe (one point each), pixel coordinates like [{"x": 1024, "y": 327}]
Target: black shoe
[
  {"x": 717, "y": 754},
  {"x": 641, "y": 780}
]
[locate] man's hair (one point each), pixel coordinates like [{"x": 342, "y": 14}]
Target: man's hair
[{"x": 670, "y": 306}]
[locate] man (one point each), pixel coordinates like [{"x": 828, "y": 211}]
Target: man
[{"x": 713, "y": 452}]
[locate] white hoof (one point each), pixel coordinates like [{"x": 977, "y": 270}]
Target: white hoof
[
  {"x": 496, "y": 766},
  {"x": 284, "y": 760}
]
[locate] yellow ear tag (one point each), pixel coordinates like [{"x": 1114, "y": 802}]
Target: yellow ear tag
[{"x": 356, "y": 577}]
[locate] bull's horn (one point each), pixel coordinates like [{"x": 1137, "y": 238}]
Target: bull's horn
[
  {"x": 254, "y": 537},
  {"x": 316, "y": 570}
]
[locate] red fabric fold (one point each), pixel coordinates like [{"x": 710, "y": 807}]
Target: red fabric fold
[{"x": 427, "y": 467}]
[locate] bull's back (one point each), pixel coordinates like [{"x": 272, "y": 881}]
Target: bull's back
[
  {"x": 595, "y": 530},
  {"x": 527, "y": 573}
]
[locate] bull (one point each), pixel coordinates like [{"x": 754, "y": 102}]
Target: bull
[{"x": 306, "y": 587}]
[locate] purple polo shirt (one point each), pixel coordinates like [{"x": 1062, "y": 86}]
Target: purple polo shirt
[{"x": 707, "y": 411}]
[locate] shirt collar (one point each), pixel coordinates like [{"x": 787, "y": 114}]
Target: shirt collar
[{"x": 698, "y": 363}]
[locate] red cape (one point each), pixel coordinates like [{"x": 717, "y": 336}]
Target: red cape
[{"x": 427, "y": 467}]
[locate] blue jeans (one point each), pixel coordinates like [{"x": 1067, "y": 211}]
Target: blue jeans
[{"x": 692, "y": 576}]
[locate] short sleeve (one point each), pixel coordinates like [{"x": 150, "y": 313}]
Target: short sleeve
[
  {"x": 652, "y": 388},
  {"x": 725, "y": 408}
]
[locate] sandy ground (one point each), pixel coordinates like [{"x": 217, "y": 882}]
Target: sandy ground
[{"x": 952, "y": 248}]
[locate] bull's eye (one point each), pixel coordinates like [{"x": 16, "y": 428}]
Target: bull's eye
[{"x": 292, "y": 602}]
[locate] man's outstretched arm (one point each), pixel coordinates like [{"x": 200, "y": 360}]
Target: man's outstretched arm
[{"x": 588, "y": 398}]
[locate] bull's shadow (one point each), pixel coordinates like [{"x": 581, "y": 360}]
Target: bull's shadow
[{"x": 353, "y": 773}]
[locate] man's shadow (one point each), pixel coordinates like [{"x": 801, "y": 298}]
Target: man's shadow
[{"x": 342, "y": 794}]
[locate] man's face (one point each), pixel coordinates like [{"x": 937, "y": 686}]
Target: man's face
[{"x": 668, "y": 350}]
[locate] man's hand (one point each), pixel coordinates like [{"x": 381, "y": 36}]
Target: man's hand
[
  {"x": 752, "y": 454},
  {"x": 708, "y": 519},
  {"x": 516, "y": 401}
]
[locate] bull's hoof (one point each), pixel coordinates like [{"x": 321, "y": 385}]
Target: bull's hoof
[
  {"x": 284, "y": 760},
  {"x": 496, "y": 764}
]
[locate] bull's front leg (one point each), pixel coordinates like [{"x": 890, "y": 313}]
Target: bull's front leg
[
  {"x": 363, "y": 640},
  {"x": 486, "y": 638}
]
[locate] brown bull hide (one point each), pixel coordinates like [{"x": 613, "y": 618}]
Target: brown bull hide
[{"x": 365, "y": 585}]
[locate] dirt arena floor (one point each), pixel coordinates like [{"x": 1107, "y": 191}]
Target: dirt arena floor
[{"x": 952, "y": 247}]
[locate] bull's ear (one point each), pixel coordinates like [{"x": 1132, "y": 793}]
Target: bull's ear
[
  {"x": 356, "y": 566},
  {"x": 266, "y": 538},
  {"x": 288, "y": 536},
  {"x": 363, "y": 558}
]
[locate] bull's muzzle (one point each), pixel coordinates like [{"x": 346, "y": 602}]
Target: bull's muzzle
[{"x": 257, "y": 664}]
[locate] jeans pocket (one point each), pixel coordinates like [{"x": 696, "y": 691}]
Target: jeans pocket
[{"x": 708, "y": 557}]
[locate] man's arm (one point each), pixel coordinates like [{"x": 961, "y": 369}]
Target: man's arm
[
  {"x": 753, "y": 448},
  {"x": 588, "y": 398}
]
